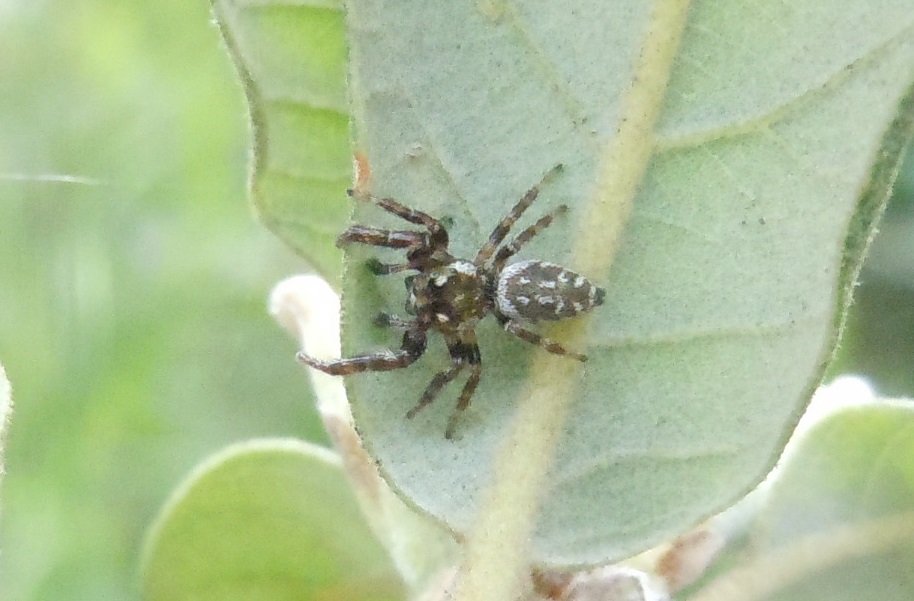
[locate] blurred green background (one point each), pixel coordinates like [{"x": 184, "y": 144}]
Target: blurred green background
[
  {"x": 132, "y": 300},
  {"x": 132, "y": 290}
]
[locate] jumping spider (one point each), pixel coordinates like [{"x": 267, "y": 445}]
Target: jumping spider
[{"x": 451, "y": 295}]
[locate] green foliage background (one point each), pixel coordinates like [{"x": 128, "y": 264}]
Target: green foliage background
[
  {"x": 132, "y": 308},
  {"x": 132, "y": 321}
]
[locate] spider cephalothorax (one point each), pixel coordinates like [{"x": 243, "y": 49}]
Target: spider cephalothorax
[{"x": 450, "y": 295}]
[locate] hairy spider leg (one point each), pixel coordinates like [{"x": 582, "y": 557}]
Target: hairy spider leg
[
  {"x": 422, "y": 247},
  {"x": 464, "y": 401},
  {"x": 509, "y": 250},
  {"x": 441, "y": 379},
  {"x": 464, "y": 352},
  {"x": 504, "y": 226},
  {"x": 512, "y": 327},
  {"x": 374, "y": 236},
  {"x": 412, "y": 347},
  {"x": 403, "y": 212}
]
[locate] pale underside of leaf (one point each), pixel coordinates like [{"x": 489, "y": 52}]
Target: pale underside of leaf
[{"x": 726, "y": 288}]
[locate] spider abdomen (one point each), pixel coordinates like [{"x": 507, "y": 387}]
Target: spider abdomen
[{"x": 542, "y": 291}]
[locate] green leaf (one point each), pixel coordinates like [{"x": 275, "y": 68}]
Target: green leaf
[
  {"x": 723, "y": 190},
  {"x": 266, "y": 520},
  {"x": 291, "y": 60},
  {"x": 839, "y": 521},
  {"x": 725, "y": 166}
]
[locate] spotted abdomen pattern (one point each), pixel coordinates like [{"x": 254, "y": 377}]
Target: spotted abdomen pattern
[{"x": 541, "y": 291}]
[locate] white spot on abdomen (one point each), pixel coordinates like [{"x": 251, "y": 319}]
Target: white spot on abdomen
[{"x": 512, "y": 274}]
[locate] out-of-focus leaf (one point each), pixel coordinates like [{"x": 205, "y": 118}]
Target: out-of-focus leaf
[
  {"x": 266, "y": 520},
  {"x": 839, "y": 518},
  {"x": 6, "y": 411},
  {"x": 291, "y": 57}
]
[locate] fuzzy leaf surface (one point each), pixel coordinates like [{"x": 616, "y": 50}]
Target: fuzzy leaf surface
[{"x": 769, "y": 159}]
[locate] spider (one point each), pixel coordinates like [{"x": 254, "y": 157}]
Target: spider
[{"x": 451, "y": 295}]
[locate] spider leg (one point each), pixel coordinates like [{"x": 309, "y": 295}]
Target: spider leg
[
  {"x": 463, "y": 352},
  {"x": 373, "y": 236},
  {"x": 509, "y": 250},
  {"x": 504, "y": 226},
  {"x": 378, "y": 268},
  {"x": 465, "y": 396},
  {"x": 441, "y": 379},
  {"x": 413, "y": 346},
  {"x": 512, "y": 327},
  {"x": 386, "y": 320},
  {"x": 403, "y": 212}
]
